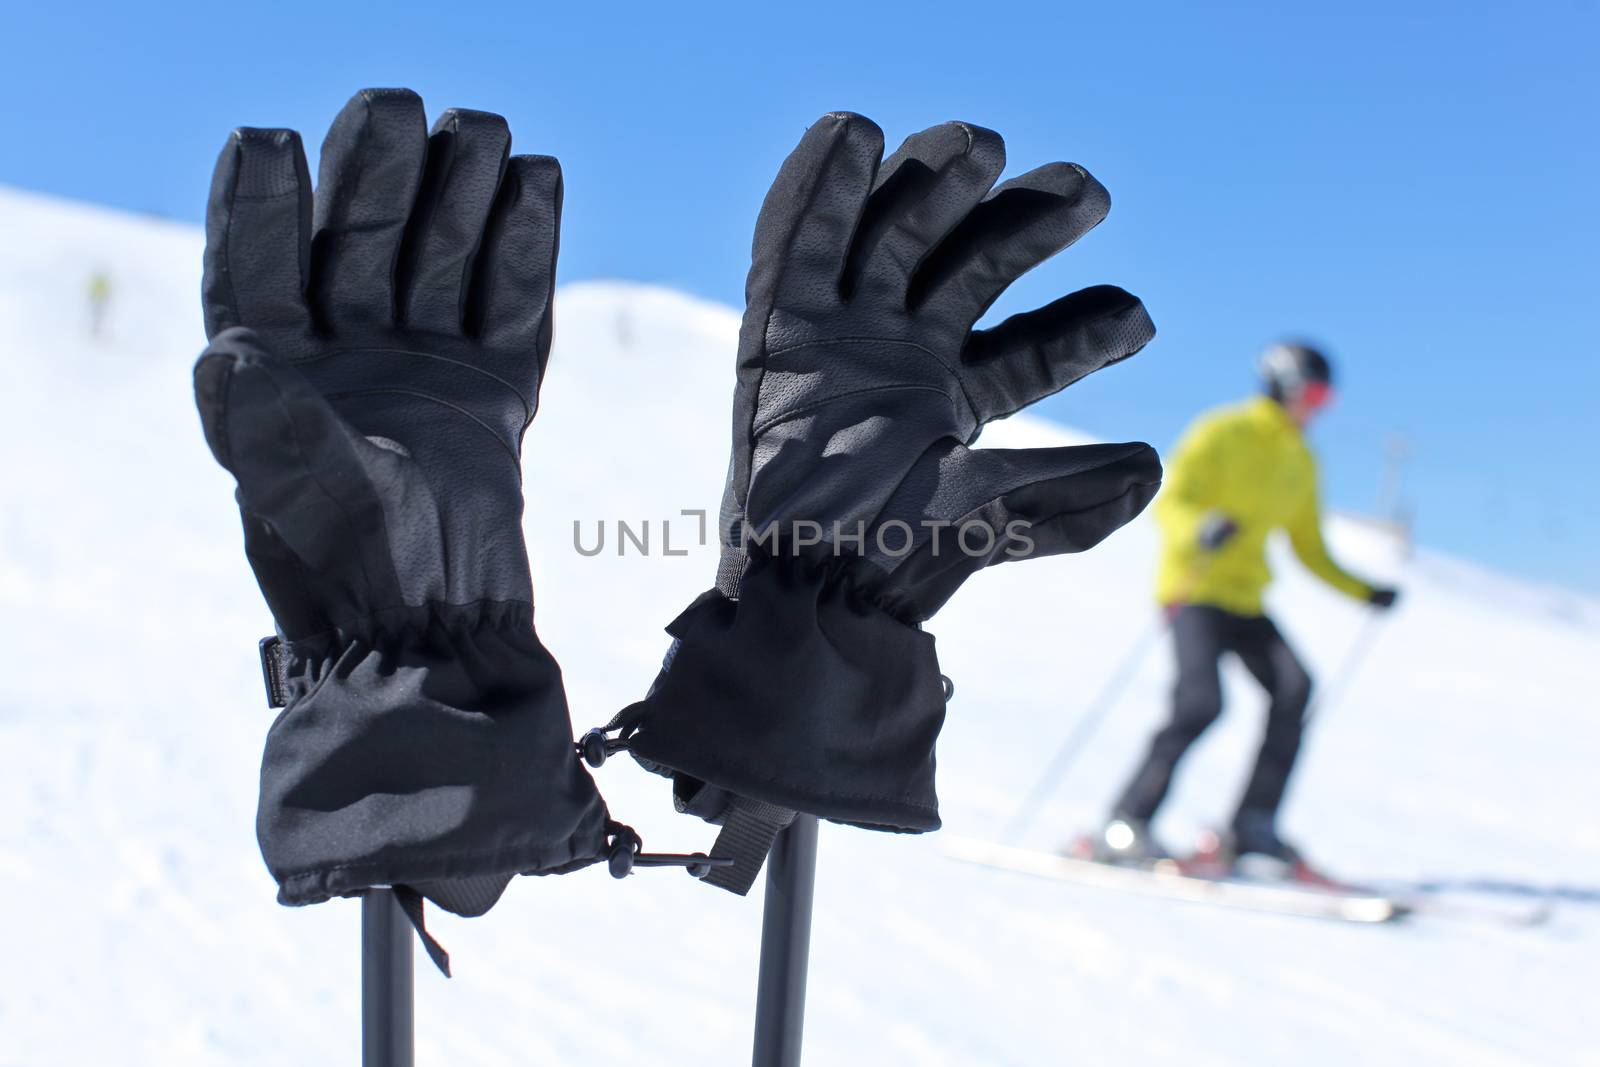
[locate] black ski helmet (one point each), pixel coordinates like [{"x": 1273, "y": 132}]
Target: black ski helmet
[{"x": 1287, "y": 367}]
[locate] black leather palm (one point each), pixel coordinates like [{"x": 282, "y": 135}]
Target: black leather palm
[
  {"x": 802, "y": 681},
  {"x": 375, "y": 358}
]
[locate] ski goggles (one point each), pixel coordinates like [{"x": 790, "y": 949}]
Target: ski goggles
[{"x": 1316, "y": 395}]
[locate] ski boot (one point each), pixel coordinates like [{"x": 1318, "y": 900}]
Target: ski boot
[
  {"x": 1126, "y": 840},
  {"x": 1252, "y": 849}
]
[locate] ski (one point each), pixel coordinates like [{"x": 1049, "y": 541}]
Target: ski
[
  {"x": 1167, "y": 880},
  {"x": 1209, "y": 861},
  {"x": 1474, "y": 911}
]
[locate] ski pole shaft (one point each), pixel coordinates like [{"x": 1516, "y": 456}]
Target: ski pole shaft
[
  {"x": 785, "y": 945},
  {"x": 1089, "y": 722},
  {"x": 1363, "y": 643},
  {"x": 386, "y": 982},
  {"x": 1082, "y": 731}
]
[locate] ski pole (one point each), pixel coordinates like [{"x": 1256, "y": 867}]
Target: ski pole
[
  {"x": 1089, "y": 722},
  {"x": 1084, "y": 730},
  {"x": 386, "y": 982},
  {"x": 785, "y": 945},
  {"x": 1360, "y": 647}
]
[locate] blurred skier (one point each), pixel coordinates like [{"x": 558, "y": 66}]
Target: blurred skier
[
  {"x": 1238, "y": 473},
  {"x": 99, "y": 294}
]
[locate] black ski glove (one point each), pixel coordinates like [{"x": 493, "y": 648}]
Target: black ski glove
[
  {"x": 375, "y": 359},
  {"x": 854, "y": 508},
  {"x": 1216, "y": 530},
  {"x": 1383, "y": 598}
]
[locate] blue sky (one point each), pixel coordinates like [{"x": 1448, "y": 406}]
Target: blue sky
[{"x": 1412, "y": 185}]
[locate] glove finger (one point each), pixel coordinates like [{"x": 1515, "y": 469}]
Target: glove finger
[
  {"x": 301, "y": 469},
  {"x": 1071, "y": 498},
  {"x": 515, "y": 275},
  {"x": 467, "y": 153},
  {"x": 258, "y": 235},
  {"x": 1038, "y": 353},
  {"x": 809, "y": 216},
  {"x": 1021, "y": 224},
  {"x": 997, "y": 505},
  {"x": 923, "y": 190},
  {"x": 367, "y": 183}
]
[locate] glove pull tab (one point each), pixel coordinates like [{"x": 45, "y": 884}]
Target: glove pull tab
[
  {"x": 410, "y": 902},
  {"x": 749, "y": 827}
]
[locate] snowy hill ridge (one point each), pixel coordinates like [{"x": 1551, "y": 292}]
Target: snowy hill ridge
[{"x": 131, "y": 724}]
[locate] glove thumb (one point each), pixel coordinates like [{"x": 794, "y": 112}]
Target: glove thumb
[
  {"x": 314, "y": 521},
  {"x": 1013, "y": 504}
]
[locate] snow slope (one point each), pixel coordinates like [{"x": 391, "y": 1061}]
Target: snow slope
[{"x": 140, "y": 924}]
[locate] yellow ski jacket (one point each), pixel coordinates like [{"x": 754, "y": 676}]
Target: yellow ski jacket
[{"x": 1250, "y": 462}]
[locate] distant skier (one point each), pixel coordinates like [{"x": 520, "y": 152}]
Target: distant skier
[
  {"x": 99, "y": 301},
  {"x": 1239, "y": 473}
]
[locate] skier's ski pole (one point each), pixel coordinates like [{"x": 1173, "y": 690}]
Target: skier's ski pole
[
  {"x": 1363, "y": 643},
  {"x": 1088, "y": 723},
  {"x": 785, "y": 945},
  {"x": 386, "y": 982}
]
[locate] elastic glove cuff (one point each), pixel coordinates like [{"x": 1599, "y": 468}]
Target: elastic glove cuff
[
  {"x": 438, "y": 752},
  {"x": 800, "y": 693}
]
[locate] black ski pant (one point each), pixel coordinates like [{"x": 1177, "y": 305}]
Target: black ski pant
[{"x": 1201, "y": 635}]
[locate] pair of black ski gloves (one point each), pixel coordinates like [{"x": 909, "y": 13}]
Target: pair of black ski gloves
[{"x": 376, "y": 349}]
